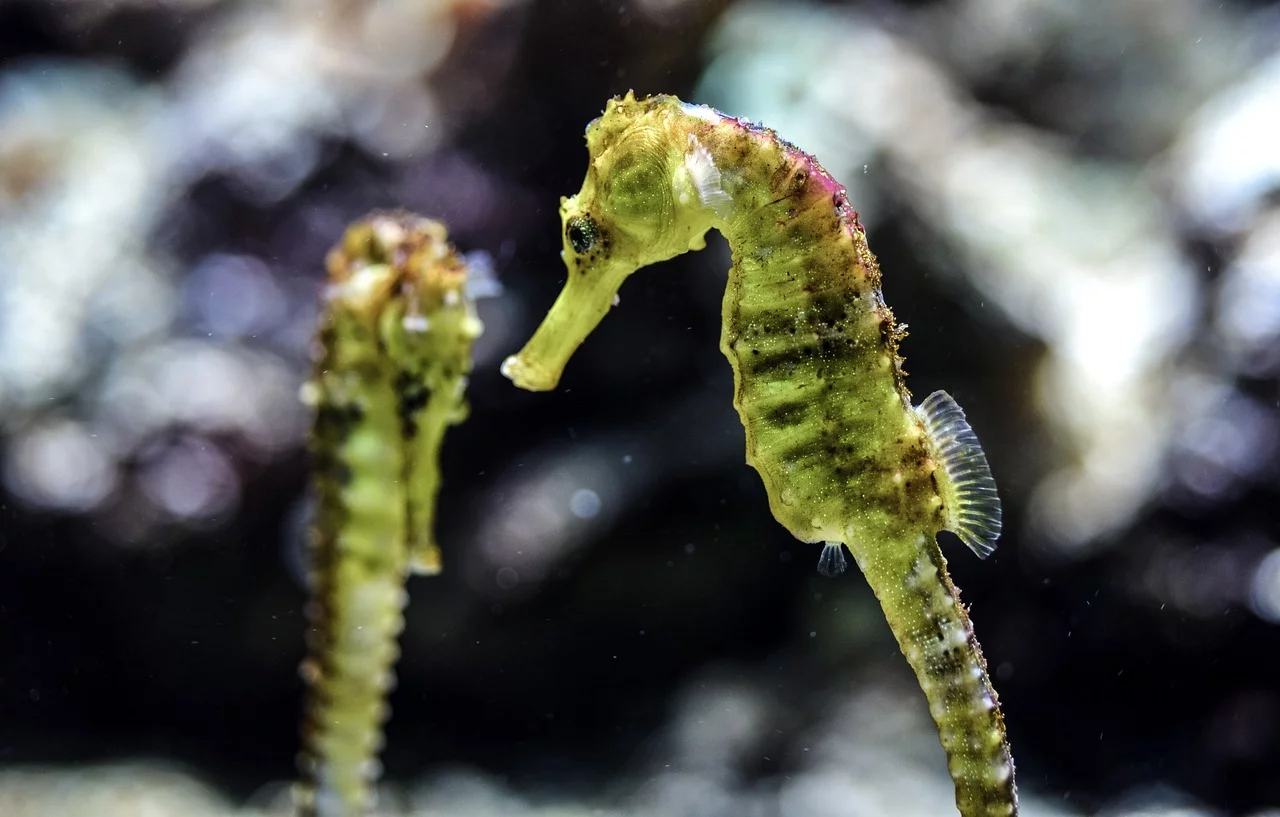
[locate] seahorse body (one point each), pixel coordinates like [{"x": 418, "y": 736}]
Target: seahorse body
[
  {"x": 393, "y": 353},
  {"x": 819, "y": 385}
]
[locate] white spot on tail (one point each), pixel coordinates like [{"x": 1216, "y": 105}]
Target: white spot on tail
[
  {"x": 1001, "y": 773},
  {"x": 938, "y": 708},
  {"x": 922, "y": 572}
]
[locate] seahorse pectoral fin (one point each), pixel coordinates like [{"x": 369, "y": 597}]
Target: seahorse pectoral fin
[
  {"x": 969, "y": 496},
  {"x": 585, "y": 300},
  {"x": 832, "y": 562}
]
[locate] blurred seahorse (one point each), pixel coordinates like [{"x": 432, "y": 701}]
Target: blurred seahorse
[
  {"x": 818, "y": 382},
  {"x": 392, "y": 357}
]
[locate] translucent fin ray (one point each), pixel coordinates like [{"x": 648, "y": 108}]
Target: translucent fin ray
[
  {"x": 832, "y": 561},
  {"x": 968, "y": 490}
]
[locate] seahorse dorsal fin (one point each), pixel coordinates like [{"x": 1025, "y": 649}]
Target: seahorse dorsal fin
[{"x": 969, "y": 494}]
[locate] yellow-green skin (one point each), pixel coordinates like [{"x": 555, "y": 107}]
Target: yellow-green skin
[
  {"x": 818, "y": 381},
  {"x": 393, "y": 353}
]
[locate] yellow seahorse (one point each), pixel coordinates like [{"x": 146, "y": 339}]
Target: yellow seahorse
[
  {"x": 393, "y": 354},
  {"x": 845, "y": 457}
]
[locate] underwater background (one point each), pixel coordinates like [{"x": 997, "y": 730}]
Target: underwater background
[{"x": 1076, "y": 207}]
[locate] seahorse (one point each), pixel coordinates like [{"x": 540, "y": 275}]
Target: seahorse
[
  {"x": 845, "y": 457},
  {"x": 393, "y": 352}
]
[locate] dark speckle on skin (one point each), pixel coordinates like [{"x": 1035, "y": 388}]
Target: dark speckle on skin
[{"x": 412, "y": 396}]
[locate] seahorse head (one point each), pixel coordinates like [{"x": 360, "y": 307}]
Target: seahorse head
[{"x": 638, "y": 205}]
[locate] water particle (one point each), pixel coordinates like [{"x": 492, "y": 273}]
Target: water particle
[
  {"x": 584, "y": 503},
  {"x": 507, "y": 578}
]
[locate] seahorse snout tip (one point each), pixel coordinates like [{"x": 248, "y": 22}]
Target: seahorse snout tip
[{"x": 527, "y": 376}]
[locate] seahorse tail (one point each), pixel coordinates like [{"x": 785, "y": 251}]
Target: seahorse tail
[
  {"x": 352, "y": 648},
  {"x": 934, "y": 632}
]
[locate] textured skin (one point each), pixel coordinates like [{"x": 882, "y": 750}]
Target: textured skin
[
  {"x": 393, "y": 352},
  {"x": 818, "y": 380}
]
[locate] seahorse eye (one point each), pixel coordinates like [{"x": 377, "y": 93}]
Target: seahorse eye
[{"x": 582, "y": 233}]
